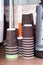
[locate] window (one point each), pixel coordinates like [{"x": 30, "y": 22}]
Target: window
[{"x": 22, "y": 1}]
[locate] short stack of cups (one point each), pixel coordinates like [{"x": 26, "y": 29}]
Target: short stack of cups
[
  {"x": 28, "y": 41},
  {"x": 20, "y": 49},
  {"x": 19, "y": 38},
  {"x": 11, "y": 44}
]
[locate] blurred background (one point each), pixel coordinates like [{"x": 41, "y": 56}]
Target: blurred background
[
  {"x": 29, "y": 6},
  {"x": 22, "y": 1}
]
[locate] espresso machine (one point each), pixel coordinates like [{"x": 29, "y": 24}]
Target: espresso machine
[{"x": 39, "y": 31}]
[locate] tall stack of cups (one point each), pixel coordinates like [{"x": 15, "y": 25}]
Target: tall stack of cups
[
  {"x": 28, "y": 41},
  {"x": 27, "y": 19},
  {"x": 11, "y": 44}
]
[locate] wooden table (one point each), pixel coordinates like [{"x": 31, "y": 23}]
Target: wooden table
[{"x": 19, "y": 61}]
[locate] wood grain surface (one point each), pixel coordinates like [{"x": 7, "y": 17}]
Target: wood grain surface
[{"x": 19, "y": 61}]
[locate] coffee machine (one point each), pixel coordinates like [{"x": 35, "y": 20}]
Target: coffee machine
[{"x": 39, "y": 31}]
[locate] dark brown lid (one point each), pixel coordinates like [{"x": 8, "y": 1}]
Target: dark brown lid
[{"x": 27, "y": 19}]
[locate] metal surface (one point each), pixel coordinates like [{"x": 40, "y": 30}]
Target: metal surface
[{"x": 39, "y": 28}]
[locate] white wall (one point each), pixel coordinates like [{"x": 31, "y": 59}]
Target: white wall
[
  {"x": 23, "y": 9},
  {"x": 34, "y": 1}
]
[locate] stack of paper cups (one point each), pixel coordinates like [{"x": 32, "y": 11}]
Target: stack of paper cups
[
  {"x": 27, "y": 19},
  {"x": 20, "y": 45},
  {"x": 28, "y": 41},
  {"x": 11, "y": 44}
]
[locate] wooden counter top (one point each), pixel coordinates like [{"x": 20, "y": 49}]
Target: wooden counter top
[{"x": 19, "y": 61}]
